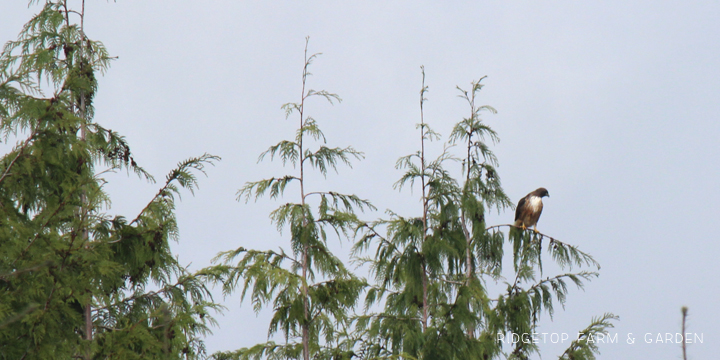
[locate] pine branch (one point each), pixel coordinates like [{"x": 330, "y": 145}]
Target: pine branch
[
  {"x": 564, "y": 253},
  {"x": 228, "y": 256},
  {"x": 60, "y": 206},
  {"x": 286, "y": 150},
  {"x": 585, "y": 347},
  {"x": 326, "y": 157},
  {"x": 182, "y": 175},
  {"x": 276, "y": 186},
  {"x": 166, "y": 289},
  {"x": 347, "y": 201},
  {"x": 17, "y": 272},
  {"x": 19, "y": 315},
  {"x": 20, "y": 152}
]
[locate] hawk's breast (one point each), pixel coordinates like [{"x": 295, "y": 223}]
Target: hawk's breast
[{"x": 535, "y": 203}]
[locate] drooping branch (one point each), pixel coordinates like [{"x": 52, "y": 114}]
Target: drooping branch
[
  {"x": 181, "y": 175},
  {"x": 558, "y": 248},
  {"x": 20, "y": 152}
]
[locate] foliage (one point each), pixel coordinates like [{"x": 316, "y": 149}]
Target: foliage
[
  {"x": 432, "y": 272},
  {"x": 585, "y": 345},
  {"x": 76, "y": 282},
  {"x": 309, "y": 289},
  {"x": 429, "y": 297}
]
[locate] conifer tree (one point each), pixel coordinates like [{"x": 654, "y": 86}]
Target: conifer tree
[
  {"x": 431, "y": 272},
  {"x": 310, "y": 289},
  {"x": 75, "y": 282}
]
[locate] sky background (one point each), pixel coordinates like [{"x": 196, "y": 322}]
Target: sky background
[{"x": 612, "y": 106}]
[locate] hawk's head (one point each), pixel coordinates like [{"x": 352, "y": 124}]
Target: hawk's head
[{"x": 541, "y": 192}]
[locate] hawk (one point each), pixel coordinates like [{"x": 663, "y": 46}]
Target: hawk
[{"x": 529, "y": 209}]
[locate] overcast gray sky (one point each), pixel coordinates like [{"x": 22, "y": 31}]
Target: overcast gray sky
[{"x": 611, "y": 105}]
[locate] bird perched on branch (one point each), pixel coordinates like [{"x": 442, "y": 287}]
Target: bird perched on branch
[{"x": 530, "y": 208}]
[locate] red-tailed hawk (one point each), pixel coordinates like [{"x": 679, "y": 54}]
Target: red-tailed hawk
[{"x": 529, "y": 209}]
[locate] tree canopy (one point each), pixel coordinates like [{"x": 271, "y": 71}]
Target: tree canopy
[
  {"x": 74, "y": 280},
  {"x": 78, "y": 282},
  {"x": 427, "y": 296}
]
